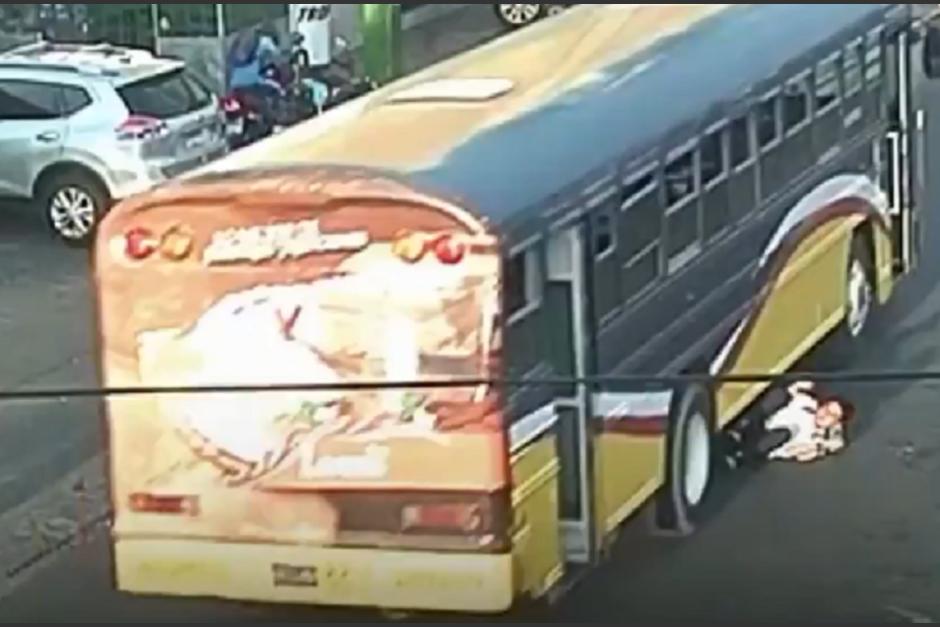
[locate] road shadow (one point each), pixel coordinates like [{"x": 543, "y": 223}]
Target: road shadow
[{"x": 19, "y": 219}]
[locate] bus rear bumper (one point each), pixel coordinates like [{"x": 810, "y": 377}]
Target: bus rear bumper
[{"x": 387, "y": 580}]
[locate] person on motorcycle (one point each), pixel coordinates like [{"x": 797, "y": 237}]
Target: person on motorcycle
[{"x": 253, "y": 53}]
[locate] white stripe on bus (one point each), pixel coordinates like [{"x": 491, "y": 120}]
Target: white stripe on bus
[{"x": 629, "y": 406}]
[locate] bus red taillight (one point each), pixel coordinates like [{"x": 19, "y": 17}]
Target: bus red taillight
[
  {"x": 164, "y": 505},
  {"x": 414, "y": 247},
  {"x": 449, "y": 250},
  {"x": 140, "y": 244},
  {"x": 175, "y": 245},
  {"x": 464, "y": 518}
]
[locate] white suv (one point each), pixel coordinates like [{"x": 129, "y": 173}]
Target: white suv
[{"x": 82, "y": 127}]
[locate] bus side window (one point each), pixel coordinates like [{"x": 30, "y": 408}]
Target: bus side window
[
  {"x": 607, "y": 299},
  {"x": 640, "y": 231},
  {"x": 853, "y": 75},
  {"x": 524, "y": 348},
  {"x": 742, "y": 185},
  {"x": 828, "y": 91},
  {"x": 522, "y": 282},
  {"x": 683, "y": 237},
  {"x": 741, "y": 150},
  {"x": 716, "y": 205},
  {"x": 605, "y": 242},
  {"x": 768, "y": 122},
  {"x": 797, "y": 132},
  {"x": 852, "y": 69},
  {"x": 874, "y": 59},
  {"x": 796, "y": 105},
  {"x": 874, "y": 72},
  {"x": 769, "y": 125},
  {"x": 826, "y": 98},
  {"x": 680, "y": 179}
]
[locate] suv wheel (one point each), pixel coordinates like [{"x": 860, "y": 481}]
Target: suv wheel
[
  {"x": 73, "y": 204},
  {"x": 518, "y": 15}
]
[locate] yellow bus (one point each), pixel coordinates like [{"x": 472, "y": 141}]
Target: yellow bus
[{"x": 618, "y": 190}]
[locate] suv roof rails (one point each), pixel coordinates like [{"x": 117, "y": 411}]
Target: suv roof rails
[
  {"x": 20, "y": 63},
  {"x": 80, "y": 58}
]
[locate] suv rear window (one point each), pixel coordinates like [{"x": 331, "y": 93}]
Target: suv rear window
[{"x": 166, "y": 96}]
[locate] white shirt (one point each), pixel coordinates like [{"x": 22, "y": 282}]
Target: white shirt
[{"x": 798, "y": 417}]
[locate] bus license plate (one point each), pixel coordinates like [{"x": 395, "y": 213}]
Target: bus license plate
[{"x": 286, "y": 576}]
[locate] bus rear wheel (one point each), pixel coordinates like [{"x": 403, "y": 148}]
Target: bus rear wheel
[
  {"x": 862, "y": 310},
  {"x": 690, "y": 464}
]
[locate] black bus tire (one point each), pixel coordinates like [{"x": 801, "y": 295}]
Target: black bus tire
[
  {"x": 689, "y": 463},
  {"x": 860, "y": 284}
]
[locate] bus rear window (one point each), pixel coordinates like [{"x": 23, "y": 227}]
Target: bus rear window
[
  {"x": 164, "y": 96},
  {"x": 522, "y": 281}
]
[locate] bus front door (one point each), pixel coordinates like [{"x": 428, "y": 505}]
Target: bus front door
[
  {"x": 903, "y": 148},
  {"x": 566, "y": 302}
]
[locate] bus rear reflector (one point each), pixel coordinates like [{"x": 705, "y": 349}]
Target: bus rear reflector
[
  {"x": 164, "y": 505},
  {"x": 176, "y": 244},
  {"x": 463, "y": 518}
]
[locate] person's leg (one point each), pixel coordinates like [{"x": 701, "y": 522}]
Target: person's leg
[
  {"x": 768, "y": 442},
  {"x": 743, "y": 441}
]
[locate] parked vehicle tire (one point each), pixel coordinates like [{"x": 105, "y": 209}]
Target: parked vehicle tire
[
  {"x": 73, "y": 203},
  {"x": 690, "y": 463},
  {"x": 519, "y": 15}
]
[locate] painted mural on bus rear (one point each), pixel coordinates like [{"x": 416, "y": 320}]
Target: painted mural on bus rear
[{"x": 322, "y": 286}]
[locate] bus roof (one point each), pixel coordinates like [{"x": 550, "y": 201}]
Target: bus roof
[{"x": 505, "y": 128}]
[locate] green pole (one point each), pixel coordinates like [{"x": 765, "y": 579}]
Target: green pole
[{"x": 381, "y": 41}]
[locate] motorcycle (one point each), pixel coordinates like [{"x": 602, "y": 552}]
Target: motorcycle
[
  {"x": 299, "y": 92},
  {"x": 245, "y": 123},
  {"x": 332, "y": 85},
  {"x": 245, "y": 110}
]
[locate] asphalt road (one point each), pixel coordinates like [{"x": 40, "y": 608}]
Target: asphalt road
[
  {"x": 853, "y": 538},
  {"x": 45, "y": 341}
]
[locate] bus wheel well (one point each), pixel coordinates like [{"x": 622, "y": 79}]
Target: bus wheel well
[
  {"x": 865, "y": 235},
  {"x": 697, "y": 367},
  {"x": 701, "y": 367}
]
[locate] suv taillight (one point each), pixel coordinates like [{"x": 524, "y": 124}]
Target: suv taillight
[{"x": 141, "y": 127}]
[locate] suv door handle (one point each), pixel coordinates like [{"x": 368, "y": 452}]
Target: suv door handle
[{"x": 48, "y": 137}]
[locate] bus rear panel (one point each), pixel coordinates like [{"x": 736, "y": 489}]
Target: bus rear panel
[{"x": 379, "y": 497}]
